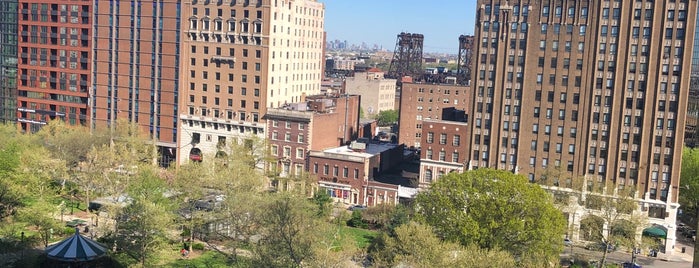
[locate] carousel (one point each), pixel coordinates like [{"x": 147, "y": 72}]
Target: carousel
[{"x": 76, "y": 250}]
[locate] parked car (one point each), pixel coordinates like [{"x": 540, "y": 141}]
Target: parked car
[
  {"x": 600, "y": 247},
  {"x": 357, "y": 207},
  {"x": 631, "y": 265},
  {"x": 567, "y": 242}
]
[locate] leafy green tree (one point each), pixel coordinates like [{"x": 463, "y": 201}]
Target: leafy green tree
[
  {"x": 144, "y": 227},
  {"x": 494, "y": 209},
  {"x": 234, "y": 188},
  {"x": 387, "y": 117},
  {"x": 289, "y": 233},
  {"x": 11, "y": 192},
  {"x": 70, "y": 143},
  {"x": 109, "y": 168},
  {"x": 334, "y": 248},
  {"x": 387, "y": 216},
  {"x": 416, "y": 245},
  {"x": 689, "y": 190},
  {"x": 323, "y": 201},
  {"x": 614, "y": 206},
  {"x": 40, "y": 216}
]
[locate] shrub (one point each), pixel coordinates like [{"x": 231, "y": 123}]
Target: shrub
[
  {"x": 357, "y": 221},
  {"x": 198, "y": 246}
]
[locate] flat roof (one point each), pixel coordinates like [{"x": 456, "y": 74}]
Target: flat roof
[{"x": 371, "y": 149}]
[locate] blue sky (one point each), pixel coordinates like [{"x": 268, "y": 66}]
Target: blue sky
[{"x": 379, "y": 21}]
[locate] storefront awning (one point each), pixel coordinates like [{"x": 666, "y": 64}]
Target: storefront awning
[{"x": 655, "y": 231}]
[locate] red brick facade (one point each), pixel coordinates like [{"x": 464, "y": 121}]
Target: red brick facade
[
  {"x": 426, "y": 101},
  {"x": 348, "y": 175}
]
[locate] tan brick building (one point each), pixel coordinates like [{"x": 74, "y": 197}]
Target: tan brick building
[
  {"x": 378, "y": 93},
  {"x": 598, "y": 88},
  {"x": 241, "y": 57}
]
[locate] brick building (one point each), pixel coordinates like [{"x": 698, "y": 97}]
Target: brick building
[
  {"x": 597, "y": 88},
  {"x": 378, "y": 93},
  {"x": 319, "y": 123},
  {"x": 240, "y": 58},
  {"x": 426, "y": 101},
  {"x": 348, "y": 172},
  {"x": 54, "y": 68},
  {"x": 444, "y": 149},
  {"x": 137, "y": 68}
]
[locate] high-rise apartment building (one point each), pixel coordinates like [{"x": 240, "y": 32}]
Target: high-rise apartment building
[
  {"x": 54, "y": 62},
  {"x": 136, "y": 68},
  {"x": 240, "y": 57},
  {"x": 597, "y": 87},
  {"x": 8, "y": 60}
]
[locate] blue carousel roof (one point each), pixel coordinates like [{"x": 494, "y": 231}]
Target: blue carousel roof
[{"x": 76, "y": 248}]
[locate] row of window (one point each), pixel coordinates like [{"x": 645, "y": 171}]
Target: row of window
[
  {"x": 336, "y": 171},
  {"x": 442, "y": 156},
  {"x": 287, "y": 152},
  {"x": 456, "y": 139},
  {"x": 287, "y": 137},
  {"x": 230, "y": 114},
  {"x": 231, "y": 77}
]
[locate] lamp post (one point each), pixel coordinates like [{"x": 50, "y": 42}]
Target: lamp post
[{"x": 22, "y": 242}]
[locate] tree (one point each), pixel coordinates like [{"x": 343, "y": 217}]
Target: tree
[
  {"x": 494, "y": 209},
  {"x": 40, "y": 216},
  {"x": 416, "y": 245},
  {"x": 70, "y": 143},
  {"x": 387, "y": 117},
  {"x": 288, "y": 233},
  {"x": 324, "y": 202},
  {"x": 143, "y": 227},
  {"x": 10, "y": 190},
  {"x": 334, "y": 248},
  {"x": 689, "y": 188},
  {"x": 234, "y": 190},
  {"x": 615, "y": 206},
  {"x": 108, "y": 168}
]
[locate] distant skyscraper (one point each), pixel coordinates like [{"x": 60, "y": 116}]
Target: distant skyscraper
[
  {"x": 596, "y": 88},
  {"x": 240, "y": 57}
]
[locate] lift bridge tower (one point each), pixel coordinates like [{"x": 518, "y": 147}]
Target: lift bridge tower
[
  {"x": 464, "y": 61},
  {"x": 407, "y": 57}
]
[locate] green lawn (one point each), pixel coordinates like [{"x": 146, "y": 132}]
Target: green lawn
[
  {"x": 210, "y": 259},
  {"x": 363, "y": 237}
]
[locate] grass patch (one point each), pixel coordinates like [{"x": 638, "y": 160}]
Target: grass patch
[
  {"x": 210, "y": 259},
  {"x": 362, "y": 237}
]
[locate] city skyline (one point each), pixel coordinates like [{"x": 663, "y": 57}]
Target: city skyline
[{"x": 387, "y": 19}]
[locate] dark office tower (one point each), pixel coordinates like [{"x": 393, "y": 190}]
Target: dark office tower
[
  {"x": 691, "y": 135},
  {"x": 54, "y": 70},
  {"x": 597, "y": 89},
  {"x": 8, "y": 60},
  {"x": 136, "y": 72}
]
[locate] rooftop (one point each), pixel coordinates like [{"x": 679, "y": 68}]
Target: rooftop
[{"x": 371, "y": 150}]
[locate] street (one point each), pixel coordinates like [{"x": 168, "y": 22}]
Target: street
[{"x": 677, "y": 260}]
